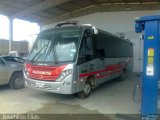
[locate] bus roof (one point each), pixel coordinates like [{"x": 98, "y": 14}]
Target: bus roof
[{"x": 86, "y": 26}]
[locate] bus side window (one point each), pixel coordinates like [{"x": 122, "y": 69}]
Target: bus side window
[
  {"x": 82, "y": 48},
  {"x": 87, "y": 47}
]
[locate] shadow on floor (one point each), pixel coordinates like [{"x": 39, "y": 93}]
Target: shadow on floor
[
  {"x": 4, "y": 87},
  {"x": 97, "y": 90}
]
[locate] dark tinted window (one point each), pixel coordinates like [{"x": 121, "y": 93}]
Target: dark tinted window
[
  {"x": 113, "y": 47},
  {"x": 13, "y": 59},
  {"x": 1, "y": 62},
  {"x": 86, "y": 46},
  {"x": 19, "y": 59},
  {"x": 9, "y": 59}
]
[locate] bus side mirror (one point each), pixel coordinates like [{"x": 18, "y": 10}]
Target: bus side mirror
[{"x": 81, "y": 59}]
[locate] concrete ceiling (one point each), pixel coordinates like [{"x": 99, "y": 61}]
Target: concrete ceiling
[{"x": 47, "y": 11}]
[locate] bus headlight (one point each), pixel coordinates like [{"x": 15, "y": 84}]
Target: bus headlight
[{"x": 64, "y": 74}]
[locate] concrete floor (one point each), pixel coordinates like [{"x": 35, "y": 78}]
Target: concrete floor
[{"x": 114, "y": 97}]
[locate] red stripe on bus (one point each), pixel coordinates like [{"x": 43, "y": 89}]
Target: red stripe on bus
[
  {"x": 108, "y": 74},
  {"x": 109, "y": 68},
  {"x": 114, "y": 67}
]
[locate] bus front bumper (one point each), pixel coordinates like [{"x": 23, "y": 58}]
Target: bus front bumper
[{"x": 54, "y": 87}]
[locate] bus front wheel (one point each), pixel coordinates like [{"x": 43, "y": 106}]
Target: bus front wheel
[
  {"x": 86, "y": 90},
  {"x": 123, "y": 76}
]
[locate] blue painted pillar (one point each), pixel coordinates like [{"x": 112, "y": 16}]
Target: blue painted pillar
[{"x": 150, "y": 27}]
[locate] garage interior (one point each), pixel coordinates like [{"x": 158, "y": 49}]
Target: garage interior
[{"x": 114, "y": 98}]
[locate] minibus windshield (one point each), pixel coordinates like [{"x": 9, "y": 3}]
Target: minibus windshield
[{"x": 57, "y": 45}]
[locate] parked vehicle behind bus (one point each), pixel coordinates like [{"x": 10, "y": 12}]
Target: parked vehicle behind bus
[
  {"x": 11, "y": 71},
  {"x": 72, "y": 58}
]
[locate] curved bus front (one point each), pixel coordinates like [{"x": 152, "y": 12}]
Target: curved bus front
[{"x": 64, "y": 82}]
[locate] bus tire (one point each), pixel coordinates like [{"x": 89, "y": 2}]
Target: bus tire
[
  {"x": 123, "y": 76},
  {"x": 17, "y": 81},
  {"x": 85, "y": 93}
]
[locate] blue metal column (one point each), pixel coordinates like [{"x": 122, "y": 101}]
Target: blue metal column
[{"x": 150, "y": 26}]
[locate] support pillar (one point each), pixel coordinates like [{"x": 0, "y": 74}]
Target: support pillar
[{"x": 10, "y": 33}]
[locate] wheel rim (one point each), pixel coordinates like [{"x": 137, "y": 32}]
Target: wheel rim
[{"x": 87, "y": 89}]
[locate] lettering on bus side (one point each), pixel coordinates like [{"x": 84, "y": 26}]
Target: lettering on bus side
[{"x": 66, "y": 83}]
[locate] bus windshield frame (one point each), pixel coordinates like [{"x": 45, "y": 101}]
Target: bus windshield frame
[{"x": 56, "y": 45}]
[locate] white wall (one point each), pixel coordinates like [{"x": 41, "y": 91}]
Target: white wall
[{"x": 118, "y": 22}]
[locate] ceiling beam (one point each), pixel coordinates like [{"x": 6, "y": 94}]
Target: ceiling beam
[
  {"x": 104, "y": 8},
  {"x": 44, "y": 14},
  {"x": 141, "y": 1},
  {"x": 125, "y": 1},
  {"x": 110, "y": 1},
  {"x": 39, "y": 7},
  {"x": 34, "y": 18},
  {"x": 3, "y": 10},
  {"x": 60, "y": 8},
  {"x": 77, "y": 5},
  {"x": 94, "y": 2}
]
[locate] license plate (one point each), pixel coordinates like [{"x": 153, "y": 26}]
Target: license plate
[{"x": 40, "y": 85}]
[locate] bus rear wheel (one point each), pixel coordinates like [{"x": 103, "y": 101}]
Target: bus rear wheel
[
  {"x": 86, "y": 90},
  {"x": 123, "y": 76}
]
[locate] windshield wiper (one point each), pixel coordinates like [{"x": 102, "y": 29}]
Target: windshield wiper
[
  {"x": 38, "y": 53},
  {"x": 51, "y": 49},
  {"x": 55, "y": 56},
  {"x": 53, "y": 53}
]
